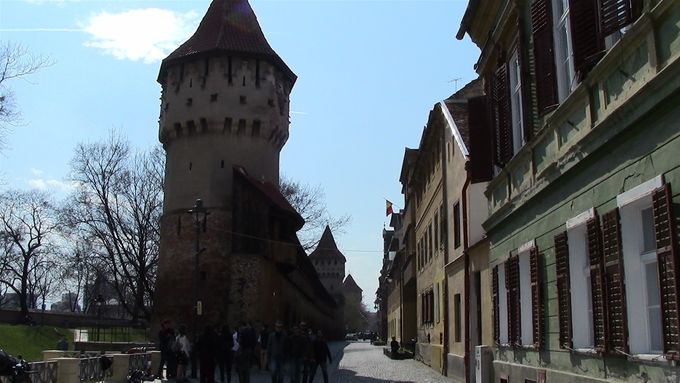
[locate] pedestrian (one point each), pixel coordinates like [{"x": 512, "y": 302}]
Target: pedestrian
[
  {"x": 207, "y": 349},
  {"x": 247, "y": 341},
  {"x": 299, "y": 349},
  {"x": 62, "y": 345},
  {"x": 166, "y": 338},
  {"x": 264, "y": 334},
  {"x": 183, "y": 349},
  {"x": 394, "y": 345},
  {"x": 225, "y": 354},
  {"x": 276, "y": 352},
  {"x": 321, "y": 357}
]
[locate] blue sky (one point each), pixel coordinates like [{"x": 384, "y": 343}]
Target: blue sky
[{"x": 369, "y": 73}]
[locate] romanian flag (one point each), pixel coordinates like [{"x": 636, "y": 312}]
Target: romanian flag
[{"x": 388, "y": 208}]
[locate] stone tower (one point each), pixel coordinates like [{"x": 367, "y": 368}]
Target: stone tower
[
  {"x": 329, "y": 263},
  {"x": 224, "y": 106}
]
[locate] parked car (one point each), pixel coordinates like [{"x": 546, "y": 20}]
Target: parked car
[{"x": 351, "y": 336}]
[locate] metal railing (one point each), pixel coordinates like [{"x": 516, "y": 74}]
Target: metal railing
[
  {"x": 140, "y": 362},
  {"x": 39, "y": 372},
  {"x": 91, "y": 370}
]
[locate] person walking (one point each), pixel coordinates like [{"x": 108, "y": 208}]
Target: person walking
[
  {"x": 321, "y": 357},
  {"x": 247, "y": 341},
  {"x": 277, "y": 342},
  {"x": 207, "y": 349},
  {"x": 264, "y": 334},
  {"x": 299, "y": 349},
  {"x": 183, "y": 350},
  {"x": 166, "y": 338},
  {"x": 225, "y": 354}
]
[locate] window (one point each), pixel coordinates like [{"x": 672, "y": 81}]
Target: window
[
  {"x": 502, "y": 306},
  {"x": 563, "y": 48},
  {"x": 516, "y": 102},
  {"x": 442, "y": 226},
  {"x": 581, "y": 292},
  {"x": 436, "y": 230},
  {"x": 436, "y": 303},
  {"x": 643, "y": 298},
  {"x": 525, "y": 299},
  {"x": 430, "y": 244},
  {"x": 457, "y": 318},
  {"x": 516, "y": 299},
  {"x": 456, "y": 225}
]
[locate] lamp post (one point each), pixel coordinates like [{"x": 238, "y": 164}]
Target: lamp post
[{"x": 200, "y": 215}]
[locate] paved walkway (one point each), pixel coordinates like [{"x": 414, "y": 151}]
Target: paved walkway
[{"x": 361, "y": 362}]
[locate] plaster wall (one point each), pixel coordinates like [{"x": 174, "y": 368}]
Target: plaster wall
[{"x": 647, "y": 148}]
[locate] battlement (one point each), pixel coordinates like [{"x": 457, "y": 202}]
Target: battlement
[{"x": 244, "y": 97}]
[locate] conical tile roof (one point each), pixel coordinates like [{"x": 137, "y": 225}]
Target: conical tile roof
[
  {"x": 229, "y": 26},
  {"x": 350, "y": 284},
  {"x": 327, "y": 246}
]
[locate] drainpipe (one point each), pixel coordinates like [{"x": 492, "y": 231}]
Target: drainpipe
[
  {"x": 466, "y": 259},
  {"x": 445, "y": 285}
]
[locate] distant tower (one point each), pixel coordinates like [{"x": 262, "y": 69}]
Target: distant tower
[
  {"x": 224, "y": 105},
  {"x": 351, "y": 290},
  {"x": 329, "y": 263}
]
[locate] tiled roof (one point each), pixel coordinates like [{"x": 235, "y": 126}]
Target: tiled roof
[
  {"x": 350, "y": 284},
  {"x": 457, "y": 106},
  {"x": 327, "y": 246},
  {"x": 274, "y": 195},
  {"x": 229, "y": 26}
]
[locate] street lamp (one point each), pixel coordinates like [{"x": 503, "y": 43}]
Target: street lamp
[{"x": 200, "y": 217}]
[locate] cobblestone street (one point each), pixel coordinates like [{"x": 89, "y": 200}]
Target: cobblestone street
[{"x": 363, "y": 363}]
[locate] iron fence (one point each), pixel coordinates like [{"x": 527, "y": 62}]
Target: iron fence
[
  {"x": 140, "y": 362},
  {"x": 39, "y": 372},
  {"x": 91, "y": 370}
]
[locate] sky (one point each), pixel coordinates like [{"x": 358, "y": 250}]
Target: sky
[{"x": 368, "y": 73}]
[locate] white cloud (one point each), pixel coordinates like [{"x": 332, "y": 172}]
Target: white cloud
[
  {"x": 147, "y": 35},
  {"x": 36, "y": 172},
  {"x": 45, "y": 184}
]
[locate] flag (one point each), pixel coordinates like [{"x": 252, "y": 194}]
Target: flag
[{"x": 388, "y": 208}]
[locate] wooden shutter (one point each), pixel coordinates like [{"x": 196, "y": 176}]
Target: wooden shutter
[
  {"x": 527, "y": 123},
  {"x": 616, "y": 14},
  {"x": 481, "y": 151},
  {"x": 597, "y": 285},
  {"x": 535, "y": 275},
  {"x": 502, "y": 115},
  {"x": 514, "y": 309},
  {"x": 666, "y": 253},
  {"x": 496, "y": 313},
  {"x": 563, "y": 289},
  {"x": 614, "y": 282},
  {"x": 542, "y": 31},
  {"x": 587, "y": 41}
]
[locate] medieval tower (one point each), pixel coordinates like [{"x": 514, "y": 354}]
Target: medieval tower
[
  {"x": 223, "y": 121},
  {"x": 329, "y": 263}
]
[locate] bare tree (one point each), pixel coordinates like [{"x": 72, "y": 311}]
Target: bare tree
[
  {"x": 310, "y": 203},
  {"x": 15, "y": 63},
  {"x": 29, "y": 228},
  {"x": 118, "y": 205}
]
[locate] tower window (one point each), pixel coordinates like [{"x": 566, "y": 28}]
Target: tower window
[
  {"x": 190, "y": 101},
  {"x": 270, "y": 102},
  {"x": 229, "y": 74},
  {"x": 227, "y": 124},
  {"x": 257, "y": 73},
  {"x": 256, "y": 128},
  {"x": 241, "y": 126},
  {"x": 222, "y": 164},
  {"x": 242, "y": 100},
  {"x": 191, "y": 82},
  {"x": 190, "y": 166},
  {"x": 213, "y": 97},
  {"x": 204, "y": 125}
]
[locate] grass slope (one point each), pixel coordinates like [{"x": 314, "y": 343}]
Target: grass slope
[{"x": 30, "y": 341}]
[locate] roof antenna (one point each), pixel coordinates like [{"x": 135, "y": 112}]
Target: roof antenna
[{"x": 455, "y": 83}]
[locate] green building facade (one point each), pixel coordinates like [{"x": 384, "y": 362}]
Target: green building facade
[{"x": 584, "y": 106}]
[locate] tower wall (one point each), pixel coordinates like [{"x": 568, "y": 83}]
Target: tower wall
[
  {"x": 212, "y": 119},
  {"x": 218, "y": 112}
]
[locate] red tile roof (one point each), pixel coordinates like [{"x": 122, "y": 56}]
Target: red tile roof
[{"x": 229, "y": 26}]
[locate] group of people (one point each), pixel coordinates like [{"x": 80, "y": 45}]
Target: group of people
[{"x": 295, "y": 354}]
